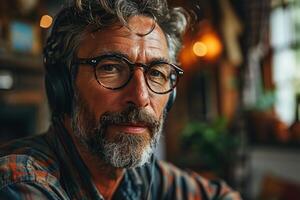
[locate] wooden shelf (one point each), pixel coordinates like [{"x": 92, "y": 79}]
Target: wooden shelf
[{"x": 21, "y": 62}]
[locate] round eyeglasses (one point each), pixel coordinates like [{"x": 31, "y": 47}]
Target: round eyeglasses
[{"x": 114, "y": 71}]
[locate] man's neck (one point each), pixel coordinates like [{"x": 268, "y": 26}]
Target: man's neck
[{"x": 105, "y": 177}]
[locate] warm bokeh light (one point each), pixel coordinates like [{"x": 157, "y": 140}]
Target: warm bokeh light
[
  {"x": 46, "y": 21},
  {"x": 200, "y": 49},
  {"x": 213, "y": 44},
  {"x": 208, "y": 46}
]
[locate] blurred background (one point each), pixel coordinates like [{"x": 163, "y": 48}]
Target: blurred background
[{"x": 237, "y": 112}]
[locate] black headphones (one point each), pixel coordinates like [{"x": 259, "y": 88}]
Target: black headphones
[
  {"x": 58, "y": 89},
  {"x": 58, "y": 81}
]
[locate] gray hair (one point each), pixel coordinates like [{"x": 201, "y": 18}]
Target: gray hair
[{"x": 72, "y": 21}]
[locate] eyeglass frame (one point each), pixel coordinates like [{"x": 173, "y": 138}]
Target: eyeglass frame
[{"x": 95, "y": 60}]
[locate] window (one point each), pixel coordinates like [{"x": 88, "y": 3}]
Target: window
[{"x": 285, "y": 39}]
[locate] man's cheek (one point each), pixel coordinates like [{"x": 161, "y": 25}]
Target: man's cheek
[{"x": 159, "y": 105}]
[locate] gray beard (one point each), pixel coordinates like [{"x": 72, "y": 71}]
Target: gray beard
[
  {"x": 122, "y": 150},
  {"x": 128, "y": 151}
]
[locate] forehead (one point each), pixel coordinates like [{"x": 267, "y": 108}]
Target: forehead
[{"x": 139, "y": 40}]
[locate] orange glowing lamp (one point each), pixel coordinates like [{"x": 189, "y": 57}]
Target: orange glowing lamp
[
  {"x": 46, "y": 21},
  {"x": 209, "y": 46},
  {"x": 200, "y": 49}
]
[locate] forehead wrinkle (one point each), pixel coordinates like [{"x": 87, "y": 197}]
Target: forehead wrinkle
[
  {"x": 124, "y": 40},
  {"x": 113, "y": 40},
  {"x": 109, "y": 46},
  {"x": 126, "y": 33}
]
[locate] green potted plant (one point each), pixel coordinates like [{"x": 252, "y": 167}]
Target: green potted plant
[{"x": 209, "y": 145}]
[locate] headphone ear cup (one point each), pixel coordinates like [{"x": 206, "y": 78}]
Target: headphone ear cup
[
  {"x": 58, "y": 88},
  {"x": 171, "y": 100}
]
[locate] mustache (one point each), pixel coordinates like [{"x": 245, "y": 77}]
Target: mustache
[{"x": 130, "y": 114}]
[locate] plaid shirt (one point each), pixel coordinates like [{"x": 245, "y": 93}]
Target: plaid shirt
[{"x": 48, "y": 167}]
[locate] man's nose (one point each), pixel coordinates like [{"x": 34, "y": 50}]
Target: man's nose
[{"x": 137, "y": 92}]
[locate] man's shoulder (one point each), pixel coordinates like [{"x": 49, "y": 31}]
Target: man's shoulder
[
  {"x": 192, "y": 182},
  {"x": 169, "y": 169},
  {"x": 27, "y": 160},
  {"x": 174, "y": 173},
  {"x": 35, "y": 146},
  {"x": 17, "y": 168},
  {"x": 26, "y": 177}
]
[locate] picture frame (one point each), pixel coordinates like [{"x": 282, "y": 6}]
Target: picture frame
[{"x": 24, "y": 37}]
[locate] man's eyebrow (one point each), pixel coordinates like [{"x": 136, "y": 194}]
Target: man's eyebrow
[
  {"x": 121, "y": 54},
  {"x": 159, "y": 59}
]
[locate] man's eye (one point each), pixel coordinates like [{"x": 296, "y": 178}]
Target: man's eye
[
  {"x": 157, "y": 76},
  {"x": 110, "y": 68},
  {"x": 156, "y": 73}
]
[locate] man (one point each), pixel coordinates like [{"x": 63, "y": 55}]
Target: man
[{"x": 110, "y": 79}]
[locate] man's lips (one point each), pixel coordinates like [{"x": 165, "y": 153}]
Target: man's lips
[{"x": 130, "y": 128}]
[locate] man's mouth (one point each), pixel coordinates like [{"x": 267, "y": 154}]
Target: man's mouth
[{"x": 130, "y": 128}]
